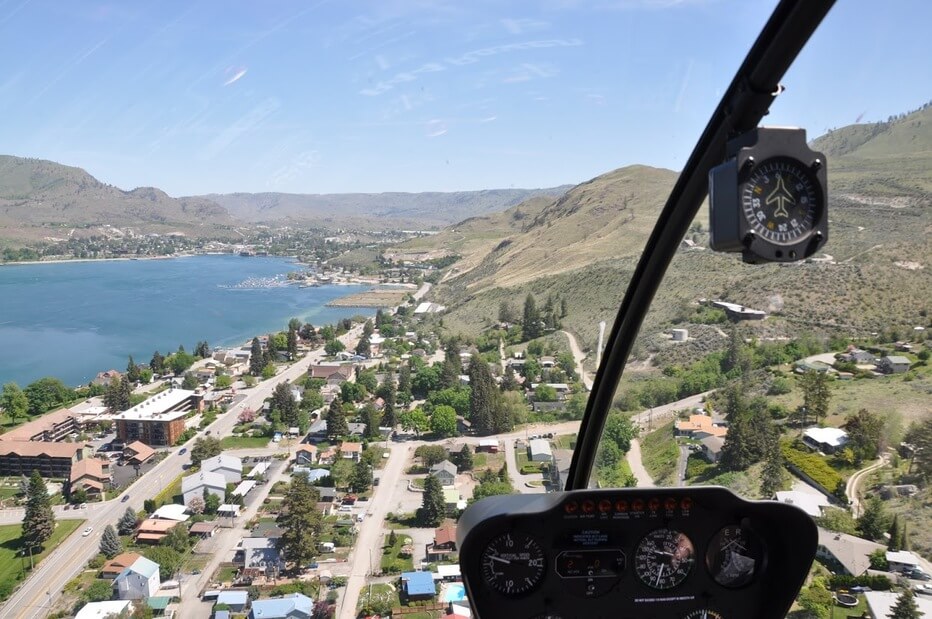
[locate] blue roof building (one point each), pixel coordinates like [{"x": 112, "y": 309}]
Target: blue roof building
[
  {"x": 236, "y": 600},
  {"x": 418, "y": 585},
  {"x": 294, "y": 606}
]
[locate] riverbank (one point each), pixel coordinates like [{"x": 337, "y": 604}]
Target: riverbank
[{"x": 79, "y": 260}]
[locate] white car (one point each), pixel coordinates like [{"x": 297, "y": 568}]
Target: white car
[
  {"x": 923, "y": 589},
  {"x": 87, "y": 531}
]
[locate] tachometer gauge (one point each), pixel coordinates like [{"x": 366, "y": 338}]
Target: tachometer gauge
[
  {"x": 664, "y": 558},
  {"x": 780, "y": 200},
  {"x": 732, "y": 557},
  {"x": 703, "y": 614},
  {"x": 513, "y": 564}
]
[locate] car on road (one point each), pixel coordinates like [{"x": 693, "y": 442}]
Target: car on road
[
  {"x": 125, "y": 498},
  {"x": 87, "y": 531},
  {"x": 359, "y": 517},
  {"x": 182, "y": 451},
  {"x": 83, "y": 506},
  {"x": 918, "y": 574},
  {"x": 923, "y": 589},
  {"x": 208, "y": 432}
]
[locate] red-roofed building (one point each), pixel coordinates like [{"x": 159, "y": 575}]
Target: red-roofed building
[
  {"x": 444, "y": 543},
  {"x": 50, "y": 459},
  {"x": 92, "y": 474}
]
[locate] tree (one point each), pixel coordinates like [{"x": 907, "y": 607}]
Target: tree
[
  {"x": 13, "y": 401},
  {"x": 919, "y": 436},
  {"x": 895, "y": 534},
  {"x": 750, "y": 430},
  {"x": 334, "y": 346},
  {"x": 202, "y": 350},
  {"x": 180, "y": 361},
  {"x": 531, "y": 322},
  {"x": 509, "y": 380},
  {"x": 432, "y": 511},
  {"x": 205, "y": 447},
  {"x": 816, "y": 394},
  {"x": 133, "y": 373},
  {"x": 168, "y": 558},
  {"x": 284, "y": 403},
  {"x": 256, "y": 358},
  {"x": 361, "y": 477},
  {"x": 620, "y": 430},
  {"x": 363, "y": 347},
  {"x": 873, "y": 522},
  {"x": 110, "y": 544},
  {"x": 483, "y": 397},
  {"x": 304, "y": 421},
  {"x": 387, "y": 392},
  {"x": 117, "y": 395},
  {"x": 291, "y": 344},
  {"x": 98, "y": 591},
  {"x": 47, "y": 393},
  {"x": 336, "y": 420},
  {"x": 772, "y": 478},
  {"x": 816, "y": 598},
  {"x": 545, "y": 393},
  {"x": 247, "y": 415},
  {"x": 507, "y": 313},
  {"x": 368, "y": 380},
  {"x": 462, "y": 459},
  {"x": 905, "y": 607},
  {"x": 443, "y": 421},
  {"x": 189, "y": 381},
  {"x": 177, "y": 538},
  {"x": 211, "y": 504},
  {"x": 78, "y": 496},
  {"x": 300, "y": 521},
  {"x": 196, "y": 505},
  {"x": 127, "y": 522},
  {"x": 404, "y": 384},
  {"x": 415, "y": 421},
  {"x": 392, "y": 539},
  {"x": 39, "y": 520},
  {"x": 157, "y": 364},
  {"x": 431, "y": 454},
  {"x": 865, "y": 434}
]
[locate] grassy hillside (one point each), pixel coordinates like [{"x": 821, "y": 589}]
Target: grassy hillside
[
  {"x": 43, "y": 200},
  {"x": 876, "y": 273}
]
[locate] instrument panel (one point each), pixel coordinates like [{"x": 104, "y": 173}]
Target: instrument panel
[{"x": 658, "y": 553}]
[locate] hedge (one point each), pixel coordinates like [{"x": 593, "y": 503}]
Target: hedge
[
  {"x": 814, "y": 466},
  {"x": 844, "y": 581}
]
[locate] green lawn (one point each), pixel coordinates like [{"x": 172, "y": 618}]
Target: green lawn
[
  {"x": 11, "y": 565},
  {"x": 227, "y": 573},
  {"x": 659, "y": 452},
  {"x": 243, "y": 442},
  {"x": 168, "y": 494},
  {"x": 392, "y": 560}
]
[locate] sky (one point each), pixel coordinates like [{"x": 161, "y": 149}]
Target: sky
[{"x": 317, "y": 96}]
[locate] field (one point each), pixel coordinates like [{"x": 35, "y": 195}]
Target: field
[
  {"x": 12, "y": 565},
  {"x": 372, "y": 298},
  {"x": 659, "y": 452},
  {"x": 244, "y": 442}
]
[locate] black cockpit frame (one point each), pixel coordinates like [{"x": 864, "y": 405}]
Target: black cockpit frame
[{"x": 744, "y": 104}]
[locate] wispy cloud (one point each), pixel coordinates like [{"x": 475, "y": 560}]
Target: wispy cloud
[
  {"x": 242, "y": 125},
  {"x": 238, "y": 72},
  {"x": 436, "y": 128},
  {"x": 530, "y": 71}
]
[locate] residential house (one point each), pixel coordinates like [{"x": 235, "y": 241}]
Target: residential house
[
  {"x": 103, "y": 379},
  {"x": 117, "y": 564},
  {"x": 445, "y": 472},
  {"x": 444, "y": 543},
  {"x": 802, "y": 366},
  {"x": 826, "y": 440},
  {"x": 449, "y": 573},
  {"x": 538, "y": 450},
  {"x": 258, "y": 555},
  {"x": 91, "y": 474},
  {"x": 902, "y": 561},
  {"x": 153, "y": 530},
  {"x": 857, "y": 355},
  {"x": 418, "y": 585},
  {"x": 351, "y": 451},
  {"x": 139, "y": 581},
  {"x": 711, "y": 447},
  {"x": 452, "y": 500},
  {"x": 313, "y": 475},
  {"x": 809, "y": 502},
  {"x": 356, "y": 429},
  {"x": 894, "y": 364},
  {"x": 328, "y": 455},
  {"x": 317, "y": 432},
  {"x": 204, "y": 529},
  {"x": 236, "y": 600},
  {"x": 294, "y": 606},
  {"x": 547, "y": 362},
  {"x": 171, "y": 511},
  {"x": 195, "y": 485},
  {"x": 327, "y": 495},
  {"x": 697, "y": 424},
  {"x": 137, "y": 452},
  {"x": 881, "y": 603},
  {"x": 333, "y": 373},
  {"x": 229, "y": 466},
  {"x": 375, "y": 345},
  {"x": 851, "y": 553},
  {"x": 105, "y": 610},
  {"x": 488, "y": 445},
  {"x": 306, "y": 454}
]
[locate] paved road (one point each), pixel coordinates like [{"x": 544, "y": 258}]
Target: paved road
[
  {"x": 35, "y": 595},
  {"x": 366, "y": 549},
  {"x": 518, "y": 481}
]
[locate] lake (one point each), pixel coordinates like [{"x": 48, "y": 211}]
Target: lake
[{"x": 72, "y": 320}]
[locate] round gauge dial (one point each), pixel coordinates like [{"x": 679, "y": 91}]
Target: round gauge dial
[
  {"x": 704, "y": 613},
  {"x": 781, "y": 200},
  {"x": 513, "y": 564},
  {"x": 664, "y": 558},
  {"x": 732, "y": 557}
]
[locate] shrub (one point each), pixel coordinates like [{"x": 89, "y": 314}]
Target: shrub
[{"x": 814, "y": 466}]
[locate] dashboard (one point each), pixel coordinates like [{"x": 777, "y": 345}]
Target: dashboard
[{"x": 657, "y": 553}]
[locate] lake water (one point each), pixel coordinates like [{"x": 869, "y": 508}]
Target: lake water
[{"x": 73, "y": 320}]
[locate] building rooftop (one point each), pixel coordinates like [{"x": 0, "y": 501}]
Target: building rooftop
[
  {"x": 143, "y": 452},
  {"x": 418, "y": 583},
  {"x": 36, "y": 449},
  {"x": 103, "y": 610},
  {"x": 898, "y": 359},
  {"x": 282, "y": 607},
  {"x": 222, "y": 461},
  {"x": 348, "y": 447},
  {"x": 445, "y": 534},
  {"x": 203, "y": 527},
  {"x": 446, "y": 465},
  {"x": 836, "y": 437},
  {"x": 204, "y": 478},
  {"x": 881, "y": 603},
  {"x": 244, "y": 487},
  {"x": 93, "y": 467},
  {"x": 120, "y": 562},
  {"x": 540, "y": 446},
  {"x": 143, "y": 566},
  {"x": 902, "y": 556},
  {"x": 233, "y": 597},
  {"x": 155, "y": 525},
  {"x": 171, "y": 511},
  {"x": 810, "y": 503},
  {"x": 852, "y": 552},
  {"x": 162, "y": 406}
]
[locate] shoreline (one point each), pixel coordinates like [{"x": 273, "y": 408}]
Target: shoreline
[{"x": 121, "y": 259}]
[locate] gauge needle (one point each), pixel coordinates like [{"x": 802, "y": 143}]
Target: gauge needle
[
  {"x": 659, "y": 575},
  {"x": 500, "y": 560}
]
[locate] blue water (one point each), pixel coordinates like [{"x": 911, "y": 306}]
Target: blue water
[
  {"x": 73, "y": 320},
  {"x": 454, "y": 593}
]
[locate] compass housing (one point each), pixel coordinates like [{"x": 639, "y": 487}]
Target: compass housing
[{"x": 769, "y": 199}]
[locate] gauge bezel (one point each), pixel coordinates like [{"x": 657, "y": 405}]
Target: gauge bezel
[
  {"x": 534, "y": 547},
  {"x": 684, "y": 567},
  {"x": 751, "y": 212}
]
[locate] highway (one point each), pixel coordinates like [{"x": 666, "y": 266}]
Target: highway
[{"x": 39, "y": 591}]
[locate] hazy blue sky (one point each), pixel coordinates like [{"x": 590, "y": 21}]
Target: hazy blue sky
[{"x": 414, "y": 95}]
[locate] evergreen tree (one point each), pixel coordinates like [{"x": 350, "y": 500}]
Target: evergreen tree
[
  {"x": 367, "y": 329},
  {"x": 110, "y": 544},
  {"x": 865, "y": 434},
  {"x": 39, "y": 521},
  {"x": 392, "y": 539},
  {"x": 463, "y": 459},
  {"x": 157, "y": 364},
  {"x": 292, "y": 344},
  {"x": 404, "y": 384},
  {"x": 905, "y": 607},
  {"x": 361, "y": 477},
  {"x": 432, "y": 511},
  {"x": 132, "y": 371},
  {"x": 509, "y": 380},
  {"x": 895, "y": 534},
  {"x": 256, "y": 358},
  {"x": 189, "y": 381},
  {"x": 452, "y": 365},
  {"x": 816, "y": 394},
  {"x": 301, "y": 522},
  {"x": 531, "y": 321},
  {"x": 372, "y": 418},
  {"x": 116, "y": 397},
  {"x": 772, "y": 479},
  {"x": 387, "y": 392},
  {"x": 283, "y": 403},
  {"x": 127, "y": 522},
  {"x": 363, "y": 346},
  {"x": 481, "y": 397},
  {"x": 336, "y": 420},
  {"x": 202, "y": 350},
  {"x": 904, "y": 537},
  {"x": 873, "y": 522}
]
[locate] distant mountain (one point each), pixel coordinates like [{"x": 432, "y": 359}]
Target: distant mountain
[
  {"x": 375, "y": 210},
  {"x": 584, "y": 246},
  {"x": 43, "y": 200}
]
